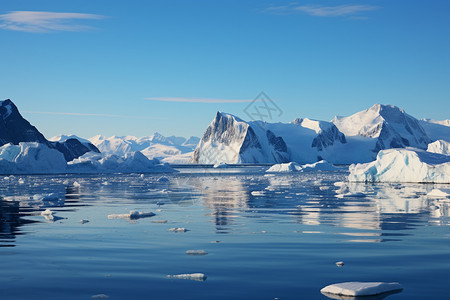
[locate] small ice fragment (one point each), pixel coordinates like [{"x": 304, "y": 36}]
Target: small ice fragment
[
  {"x": 258, "y": 193},
  {"x": 323, "y": 188},
  {"x": 105, "y": 183},
  {"x": 50, "y": 215},
  {"x": 76, "y": 184},
  {"x": 438, "y": 193},
  {"x": 193, "y": 276},
  {"x": 339, "y": 263},
  {"x": 84, "y": 221},
  {"x": 21, "y": 181},
  {"x": 215, "y": 242},
  {"x": 178, "y": 229},
  {"x": 47, "y": 212},
  {"x": 66, "y": 182},
  {"x": 133, "y": 215},
  {"x": 142, "y": 175},
  {"x": 263, "y": 231},
  {"x": 339, "y": 183},
  {"x": 160, "y": 221},
  {"x": 361, "y": 288},
  {"x": 348, "y": 195},
  {"x": 196, "y": 252},
  {"x": 100, "y": 296}
]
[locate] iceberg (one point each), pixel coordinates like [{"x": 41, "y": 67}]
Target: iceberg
[
  {"x": 133, "y": 215},
  {"x": 295, "y": 167},
  {"x": 31, "y": 158},
  {"x": 439, "y": 146},
  {"x": 134, "y": 162},
  {"x": 403, "y": 165},
  {"x": 361, "y": 288}
]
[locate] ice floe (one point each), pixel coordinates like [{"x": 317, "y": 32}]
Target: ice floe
[
  {"x": 403, "y": 165},
  {"x": 437, "y": 193},
  {"x": 295, "y": 167},
  {"x": 178, "y": 229},
  {"x": 192, "y": 276},
  {"x": 133, "y": 215},
  {"x": 361, "y": 288},
  {"x": 196, "y": 252}
]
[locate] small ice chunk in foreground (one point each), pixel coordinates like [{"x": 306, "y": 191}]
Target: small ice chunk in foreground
[
  {"x": 361, "y": 288},
  {"x": 100, "y": 296},
  {"x": 160, "y": 221},
  {"x": 258, "y": 193},
  {"x": 339, "y": 263},
  {"x": 84, "y": 221},
  {"x": 196, "y": 252},
  {"x": 50, "y": 215},
  {"x": 193, "y": 276},
  {"x": 133, "y": 215},
  {"x": 178, "y": 229},
  {"x": 76, "y": 184}
]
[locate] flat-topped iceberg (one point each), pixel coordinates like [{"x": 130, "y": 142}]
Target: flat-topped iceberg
[
  {"x": 403, "y": 165},
  {"x": 134, "y": 162},
  {"x": 295, "y": 167},
  {"x": 356, "y": 288}
]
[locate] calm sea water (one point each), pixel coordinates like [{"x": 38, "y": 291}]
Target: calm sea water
[{"x": 266, "y": 237}]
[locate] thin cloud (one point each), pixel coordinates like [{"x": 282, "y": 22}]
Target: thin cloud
[
  {"x": 44, "y": 21},
  {"x": 323, "y": 11},
  {"x": 88, "y": 115},
  {"x": 198, "y": 100}
]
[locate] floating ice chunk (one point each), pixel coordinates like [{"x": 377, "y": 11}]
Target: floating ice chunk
[
  {"x": 220, "y": 165},
  {"x": 133, "y": 215},
  {"x": 258, "y": 193},
  {"x": 348, "y": 195},
  {"x": 438, "y": 193},
  {"x": 50, "y": 215},
  {"x": 361, "y": 288},
  {"x": 100, "y": 296},
  {"x": 160, "y": 221},
  {"x": 339, "y": 263},
  {"x": 76, "y": 184},
  {"x": 47, "y": 212},
  {"x": 193, "y": 276},
  {"x": 141, "y": 176},
  {"x": 84, "y": 221},
  {"x": 319, "y": 166},
  {"x": 403, "y": 165},
  {"x": 196, "y": 252},
  {"x": 323, "y": 188},
  {"x": 339, "y": 183},
  {"x": 283, "y": 168},
  {"x": 178, "y": 229}
]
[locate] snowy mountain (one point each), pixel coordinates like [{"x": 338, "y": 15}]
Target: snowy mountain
[
  {"x": 153, "y": 146},
  {"x": 15, "y": 129},
  {"x": 344, "y": 140},
  {"x": 230, "y": 139},
  {"x": 389, "y": 125}
]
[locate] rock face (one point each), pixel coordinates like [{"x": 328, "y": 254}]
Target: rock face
[
  {"x": 229, "y": 139},
  {"x": 15, "y": 129},
  {"x": 388, "y": 124}
]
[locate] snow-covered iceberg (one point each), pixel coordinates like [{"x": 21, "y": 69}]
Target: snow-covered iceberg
[
  {"x": 355, "y": 289},
  {"x": 134, "y": 162},
  {"x": 295, "y": 167},
  {"x": 439, "y": 146},
  {"x": 31, "y": 158},
  {"x": 403, "y": 165}
]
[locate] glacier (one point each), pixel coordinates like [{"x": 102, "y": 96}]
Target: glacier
[{"x": 403, "y": 165}]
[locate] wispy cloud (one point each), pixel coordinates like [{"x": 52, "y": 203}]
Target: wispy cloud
[
  {"x": 198, "y": 100},
  {"x": 346, "y": 10},
  {"x": 44, "y": 21},
  {"x": 88, "y": 115}
]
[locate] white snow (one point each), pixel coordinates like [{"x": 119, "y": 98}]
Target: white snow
[
  {"x": 133, "y": 215},
  {"x": 403, "y": 165},
  {"x": 64, "y": 137},
  {"x": 361, "y": 288},
  {"x": 193, "y": 276},
  {"x": 31, "y": 158},
  {"x": 439, "y": 146},
  {"x": 319, "y": 166},
  {"x": 287, "y": 167}
]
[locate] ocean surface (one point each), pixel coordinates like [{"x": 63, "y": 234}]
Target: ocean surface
[{"x": 267, "y": 236}]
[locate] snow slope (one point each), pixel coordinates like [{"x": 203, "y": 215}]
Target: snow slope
[
  {"x": 436, "y": 130},
  {"x": 403, "y": 165}
]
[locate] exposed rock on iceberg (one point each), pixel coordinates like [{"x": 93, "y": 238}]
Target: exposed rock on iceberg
[
  {"x": 403, "y": 165},
  {"x": 361, "y": 288}
]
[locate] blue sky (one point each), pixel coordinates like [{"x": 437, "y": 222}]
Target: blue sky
[{"x": 90, "y": 66}]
